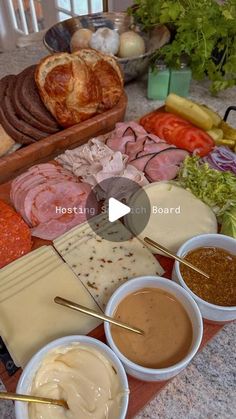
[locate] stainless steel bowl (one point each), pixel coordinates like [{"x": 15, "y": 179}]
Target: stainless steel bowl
[{"x": 57, "y": 38}]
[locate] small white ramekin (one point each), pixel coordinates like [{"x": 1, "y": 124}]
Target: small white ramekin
[
  {"x": 210, "y": 312},
  {"x": 151, "y": 374},
  {"x": 27, "y": 376}
]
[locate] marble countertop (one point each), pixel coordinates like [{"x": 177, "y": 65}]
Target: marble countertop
[{"x": 207, "y": 388}]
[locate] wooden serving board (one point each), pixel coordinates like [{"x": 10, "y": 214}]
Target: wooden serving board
[
  {"x": 49, "y": 147},
  {"x": 140, "y": 392}
]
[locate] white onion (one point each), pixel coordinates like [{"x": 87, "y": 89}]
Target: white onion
[
  {"x": 80, "y": 39},
  {"x": 105, "y": 40},
  {"x": 131, "y": 45}
]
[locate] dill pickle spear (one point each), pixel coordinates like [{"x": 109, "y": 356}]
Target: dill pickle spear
[
  {"x": 226, "y": 142},
  {"x": 189, "y": 110}
]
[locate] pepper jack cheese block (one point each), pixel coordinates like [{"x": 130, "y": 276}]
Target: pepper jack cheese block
[
  {"x": 29, "y": 318},
  {"x": 104, "y": 265}
]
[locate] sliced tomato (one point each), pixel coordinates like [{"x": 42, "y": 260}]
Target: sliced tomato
[
  {"x": 145, "y": 118},
  {"x": 165, "y": 125},
  {"x": 179, "y": 132},
  {"x": 194, "y": 140}
]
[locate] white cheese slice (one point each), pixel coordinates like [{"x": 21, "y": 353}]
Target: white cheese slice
[
  {"x": 104, "y": 265},
  {"x": 176, "y": 215},
  {"x": 29, "y": 318}
]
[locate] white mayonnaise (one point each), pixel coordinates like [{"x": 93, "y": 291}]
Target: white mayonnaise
[{"x": 83, "y": 377}]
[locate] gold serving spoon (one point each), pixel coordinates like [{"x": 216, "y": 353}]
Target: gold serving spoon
[
  {"x": 173, "y": 256},
  {"x": 93, "y": 313},
  {"x": 32, "y": 399}
]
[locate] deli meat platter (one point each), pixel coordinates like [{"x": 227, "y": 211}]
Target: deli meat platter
[{"x": 130, "y": 138}]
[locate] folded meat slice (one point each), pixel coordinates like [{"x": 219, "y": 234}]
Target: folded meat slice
[
  {"x": 165, "y": 164},
  {"x": 44, "y": 169},
  {"x": 45, "y": 201},
  {"x": 153, "y": 148},
  {"x": 133, "y": 148},
  {"x": 141, "y": 162},
  {"x": 56, "y": 227},
  {"x": 33, "y": 177},
  {"x": 131, "y": 128},
  {"x": 77, "y": 196},
  {"x": 150, "y": 138},
  {"x": 50, "y": 230},
  {"x": 119, "y": 143}
]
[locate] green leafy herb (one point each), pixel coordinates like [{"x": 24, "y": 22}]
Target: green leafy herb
[
  {"x": 204, "y": 30},
  {"x": 229, "y": 223},
  {"x": 217, "y": 189}
]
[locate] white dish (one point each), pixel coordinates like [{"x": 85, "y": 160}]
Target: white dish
[
  {"x": 149, "y": 374},
  {"x": 25, "y": 382},
  {"x": 210, "y": 312}
]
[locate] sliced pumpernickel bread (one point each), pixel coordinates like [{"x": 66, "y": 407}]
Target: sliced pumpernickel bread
[
  {"x": 9, "y": 128},
  {"x": 14, "y": 119},
  {"x": 22, "y": 112},
  {"x": 31, "y": 100}
]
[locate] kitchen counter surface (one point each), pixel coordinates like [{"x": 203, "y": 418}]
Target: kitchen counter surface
[{"x": 207, "y": 388}]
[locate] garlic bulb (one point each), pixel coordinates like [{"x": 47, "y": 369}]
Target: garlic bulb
[
  {"x": 105, "y": 40},
  {"x": 80, "y": 39},
  {"x": 131, "y": 45}
]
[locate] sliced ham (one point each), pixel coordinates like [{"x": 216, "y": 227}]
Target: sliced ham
[
  {"x": 153, "y": 148},
  {"x": 131, "y": 128},
  {"x": 141, "y": 162},
  {"x": 132, "y": 149},
  {"x": 42, "y": 203},
  {"x": 32, "y": 178},
  {"x": 51, "y": 224},
  {"x": 52, "y": 200},
  {"x": 119, "y": 143},
  {"x": 165, "y": 164},
  {"x": 153, "y": 138},
  {"x": 50, "y": 230}
]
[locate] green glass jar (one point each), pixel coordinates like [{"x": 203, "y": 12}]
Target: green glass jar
[
  {"x": 158, "y": 81},
  {"x": 180, "y": 80}
]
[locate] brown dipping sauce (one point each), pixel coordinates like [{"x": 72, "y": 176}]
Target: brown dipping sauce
[
  {"x": 168, "y": 329},
  {"x": 220, "y": 265}
]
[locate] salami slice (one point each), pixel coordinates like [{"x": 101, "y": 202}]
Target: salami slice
[{"x": 15, "y": 236}]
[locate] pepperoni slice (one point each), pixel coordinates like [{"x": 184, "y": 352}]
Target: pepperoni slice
[{"x": 15, "y": 236}]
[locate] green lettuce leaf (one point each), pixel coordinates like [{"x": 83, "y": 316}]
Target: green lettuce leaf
[
  {"x": 229, "y": 223},
  {"x": 217, "y": 189}
]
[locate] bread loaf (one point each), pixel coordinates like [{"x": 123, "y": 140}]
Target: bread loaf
[
  {"x": 74, "y": 87},
  {"x": 68, "y": 87},
  {"x": 108, "y": 73}
]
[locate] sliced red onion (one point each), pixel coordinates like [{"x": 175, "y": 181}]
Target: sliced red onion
[{"x": 221, "y": 158}]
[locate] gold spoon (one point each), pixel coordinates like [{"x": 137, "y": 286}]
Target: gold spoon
[
  {"x": 93, "y": 313},
  {"x": 32, "y": 399},
  {"x": 172, "y": 255}
]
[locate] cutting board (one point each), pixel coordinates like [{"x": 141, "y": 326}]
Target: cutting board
[{"x": 49, "y": 147}]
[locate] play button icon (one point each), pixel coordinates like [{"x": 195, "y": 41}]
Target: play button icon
[{"x": 116, "y": 210}]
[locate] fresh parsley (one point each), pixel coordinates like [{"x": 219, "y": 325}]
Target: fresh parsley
[{"x": 204, "y": 30}]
